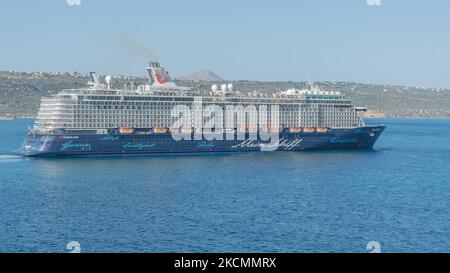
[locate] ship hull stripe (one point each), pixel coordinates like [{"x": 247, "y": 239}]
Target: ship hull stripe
[{"x": 146, "y": 144}]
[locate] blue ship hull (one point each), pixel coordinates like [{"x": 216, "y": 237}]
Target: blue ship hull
[{"x": 160, "y": 143}]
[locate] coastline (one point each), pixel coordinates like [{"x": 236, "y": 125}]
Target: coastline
[
  {"x": 15, "y": 118},
  {"x": 367, "y": 118}
]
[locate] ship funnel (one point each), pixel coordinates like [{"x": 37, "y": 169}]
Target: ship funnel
[
  {"x": 157, "y": 74},
  {"x": 150, "y": 76}
]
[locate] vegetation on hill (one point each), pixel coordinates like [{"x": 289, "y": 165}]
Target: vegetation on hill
[{"x": 20, "y": 93}]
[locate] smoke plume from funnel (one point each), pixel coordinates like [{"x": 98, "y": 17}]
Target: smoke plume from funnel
[{"x": 136, "y": 49}]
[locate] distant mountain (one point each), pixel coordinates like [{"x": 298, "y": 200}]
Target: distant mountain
[{"x": 201, "y": 75}]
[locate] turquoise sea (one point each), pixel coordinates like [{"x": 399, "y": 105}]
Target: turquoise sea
[{"x": 397, "y": 195}]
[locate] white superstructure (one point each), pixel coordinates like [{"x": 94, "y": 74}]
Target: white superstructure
[{"x": 150, "y": 105}]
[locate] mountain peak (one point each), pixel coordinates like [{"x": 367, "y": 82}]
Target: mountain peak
[{"x": 201, "y": 75}]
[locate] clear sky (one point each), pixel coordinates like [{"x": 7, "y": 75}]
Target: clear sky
[{"x": 397, "y": 42}]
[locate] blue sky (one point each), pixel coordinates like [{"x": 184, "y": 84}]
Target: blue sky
[{"x": 397, "y": 42}]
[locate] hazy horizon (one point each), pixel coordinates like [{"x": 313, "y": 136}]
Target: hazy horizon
[{"x": 395, "y": 43}]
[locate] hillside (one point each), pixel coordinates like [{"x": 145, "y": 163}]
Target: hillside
[{"x": 20, "y": 93}]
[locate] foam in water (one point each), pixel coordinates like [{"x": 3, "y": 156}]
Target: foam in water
[{"x": 10, "y": 158}]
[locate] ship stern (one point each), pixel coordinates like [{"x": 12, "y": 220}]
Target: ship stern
[{"x": 35, "y": 145}]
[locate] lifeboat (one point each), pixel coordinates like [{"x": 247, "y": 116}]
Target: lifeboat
[
  {"x": 308, "y": 130},
  {"x": 159, "y": 130},
  {"x": 182, "y": 130},
  {"x": 126, "y": 130},
  {"x": 276, "y": 129},
  {"x": 271, "y": 128},
  {"x": 252, "y": 128},
  {"x": 295, "y": 129},
  {"x": 247, "y": 129},
  {"x": 322, "y": 130}
]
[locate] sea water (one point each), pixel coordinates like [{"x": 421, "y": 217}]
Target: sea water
[{"x": 397, "y": 195}]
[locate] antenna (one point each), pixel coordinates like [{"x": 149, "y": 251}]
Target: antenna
[{"x": 310, "y": 84}]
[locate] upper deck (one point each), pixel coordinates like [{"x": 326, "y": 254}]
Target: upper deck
[
  {"x": 145, "y": 93},
  {"x": 150, "y": 105}
]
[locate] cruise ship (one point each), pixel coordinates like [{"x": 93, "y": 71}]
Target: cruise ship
[{"x": 146, "y": 119}]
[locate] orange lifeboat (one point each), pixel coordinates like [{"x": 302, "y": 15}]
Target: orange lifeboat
[
  {"x": 295, "y": 129},
  {"x": 308, "y": 130},
  {"x": 271, "y": 128},
  {"x": 277, "y": 129},
  {"x": 159, "y": 130},
  {"x": 182, "y": 130},
  {"x": 247, "y": 128},
  {"x": 126, "y": 130},
  {"x": 322, "y": 130}
]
